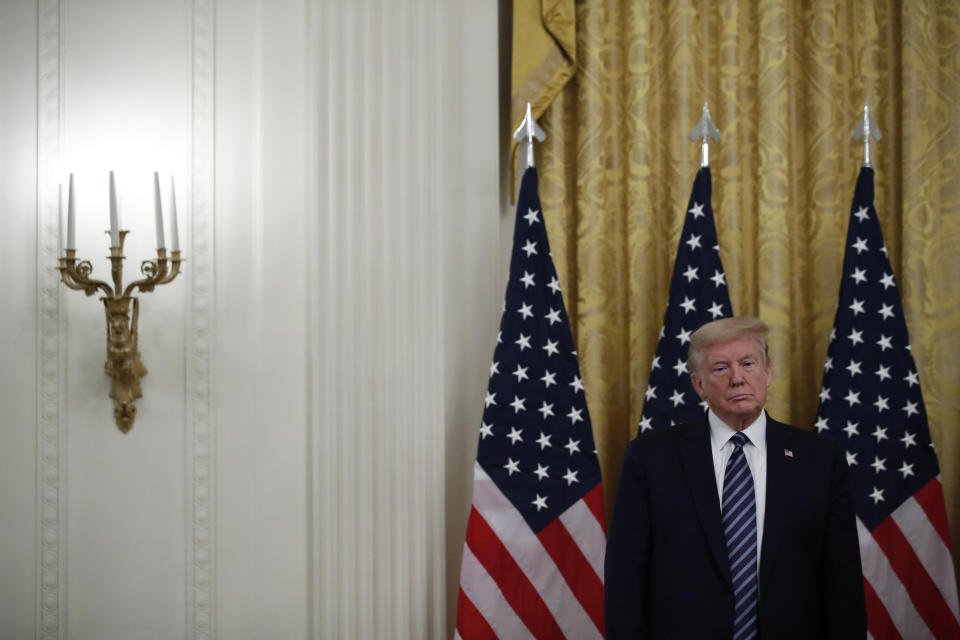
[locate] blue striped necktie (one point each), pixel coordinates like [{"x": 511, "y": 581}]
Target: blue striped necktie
[{"x": 740, "y": 535}]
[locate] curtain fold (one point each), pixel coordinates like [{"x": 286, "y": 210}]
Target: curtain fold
[{"x": 786, "y": 82}]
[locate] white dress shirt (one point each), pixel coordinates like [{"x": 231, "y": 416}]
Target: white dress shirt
[{"x": 754, "y": 451}]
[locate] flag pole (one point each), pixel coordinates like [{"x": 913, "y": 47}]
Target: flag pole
[
  {"x": 705, "y": 129},
  {"x": 865, "y": 128},
  {"x": 528, "y": 131}
]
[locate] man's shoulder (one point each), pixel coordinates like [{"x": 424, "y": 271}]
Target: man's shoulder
[
  {"x": 669, "y": 437},
  {"x": 789, "y": 434}
]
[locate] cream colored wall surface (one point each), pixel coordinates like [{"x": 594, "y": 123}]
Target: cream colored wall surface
[{"x": 300, "y": 461}]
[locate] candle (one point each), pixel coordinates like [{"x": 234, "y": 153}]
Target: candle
[
  {"x": 158, "y": 209},
  {"x": 114, "y": 222},
  {"x": 174, "y": 233},
  {"x": 71, "y": 232}
]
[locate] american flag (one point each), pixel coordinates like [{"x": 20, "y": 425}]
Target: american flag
[
  {"x": 698, "y": 294},
  {"x": 871, "y": 405},
  {"x": 533, "y": 558}
]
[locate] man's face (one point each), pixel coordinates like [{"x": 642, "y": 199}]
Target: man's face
[{"x": 733, "y": 378}]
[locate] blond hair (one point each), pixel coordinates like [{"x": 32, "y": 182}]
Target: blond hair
[{"x": 726, "y": 329}]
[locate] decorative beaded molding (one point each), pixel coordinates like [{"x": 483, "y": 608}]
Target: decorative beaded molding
[
  {"x": 51, "y": 503},
  {"x": 199, "y": 440}
]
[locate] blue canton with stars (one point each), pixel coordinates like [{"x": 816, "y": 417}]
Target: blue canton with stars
[
  {"x": 698, "y": 294},
  {"x": 536, "y": 439},
  {"x": 870, "y": 400}
]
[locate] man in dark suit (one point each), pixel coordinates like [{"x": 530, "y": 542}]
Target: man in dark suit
[{"x": 735, "y": 526}]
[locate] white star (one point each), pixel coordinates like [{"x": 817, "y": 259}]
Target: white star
[
  {"x": 851, "y": 429},
  {"x": 851, "y": 459},
  {"x": 553, "y": 316},
  {"x": 575, "y": 416},
  {"x": 570, "y": 477},
  {"x": 546, "y": 410},
  {"x": 908, "y": 440},
  {"x": 833, "y": 334},
  {"x": 527, "y": 280},
  {"x": 544, "y": 441},
  {"x": 540, "y": 502},
  {"x": 514, "y": 435},
  {"x": 489, "y": 400},
  {"x": 716, "y": 311},
  {"x": 883, "y": 372},
  {"x": 656, "y": 359},
  {"x": 691, "y": 274},
  {"x": 877, "y": 495},
  {"x": 663, "y": 328},
  {"x": 853, "y": 368},
  {"x": 828, "y": 364},
  {"x": 718, "y": 278},
  {"x": 878, "y": 464},
  {"x": 821, "y": 425},
  {"x": 856, "y": 307},
  {"x": 511, "y": 466},
  {"x": 525, "y": 310},
  {"x": 541, "y": 471},
  {"x": 703, "y": 405},
  {"x": 824, "y": 394},
  {"x": 517, "y": 404},
  {"x": 910, "y": 408},
  {"x": 688, "y": 305},
  {"x": 500, "y": 333},
  {"x": 521, "y": 373},
  {"x": 530, "y": 248},
  {"x": 551, "y": 347},
  {"x": 524, "y": 342},
  {"x": 860, "y": 275},
  {"x": 906, "y": 469},
  {"x": 911, "y": 378},
  {"x": 881, "y": 404},
  {"x": 861, "y": 214},
  {"x": 494, "y": 368},
  {"x": 676, "y": 398},
  {"x": 855, "y": 336},
  {"x": 651, "y": 392},
  {"x": 887, "y": 281},
  {"x": 485, "y": 430},
  {"x": 694, "y": 242},
  {"x": 860, "y": 245},
  {"x": 852, "y": 398},
  {"x": 531, "y": 216},
  {"x": 577, "y": 384},
  {"x": 645, "y": 424},
  {"x": 884, "y": 343},
  {"x": 680, "y": 367},
  {"x": 880, "y": 433},
  {"x": 548, "y": 378},
  {"x": 697, "y": 210},
  {"x": 683, "y": 336},
  {"x": 554, "y": 285},
  {"x": 572, "y": 446},
  {"x": 886, "y": 310}
]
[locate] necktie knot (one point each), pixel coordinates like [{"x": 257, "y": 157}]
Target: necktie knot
[{"x": 739, "y": 439}]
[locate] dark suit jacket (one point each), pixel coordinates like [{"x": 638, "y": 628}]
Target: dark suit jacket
[{"x": 667, "y": 574}]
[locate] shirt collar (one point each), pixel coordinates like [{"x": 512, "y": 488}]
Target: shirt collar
[{"x": 720, "y": 431}]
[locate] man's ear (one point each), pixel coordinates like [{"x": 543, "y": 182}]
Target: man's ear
[{"x": 697, "y": 384}]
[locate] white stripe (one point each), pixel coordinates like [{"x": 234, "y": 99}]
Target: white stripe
[
  {"x": 528, "y": 552},
  {"x": 456, "y": 635},
  {"x": 489, "y": 600},
  {"x": 587, "y": 532},
  {"x": 878, "y": 572},
  {"x": 930, "y": 549}
]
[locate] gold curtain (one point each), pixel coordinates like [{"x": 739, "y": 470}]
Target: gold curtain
[{"x": 786, "y": 82}]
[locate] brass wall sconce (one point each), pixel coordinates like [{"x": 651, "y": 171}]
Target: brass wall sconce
[{"x": 123, "y": 365}]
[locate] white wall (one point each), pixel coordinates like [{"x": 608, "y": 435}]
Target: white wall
[{"x": 299, "y": 466}]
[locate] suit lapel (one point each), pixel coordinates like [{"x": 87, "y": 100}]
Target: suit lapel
[
  {"x": 697, "y": 461},
  {"x": 777, "y": 501}
]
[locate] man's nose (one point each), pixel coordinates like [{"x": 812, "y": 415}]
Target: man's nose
[{"x": 736, "y": 375}]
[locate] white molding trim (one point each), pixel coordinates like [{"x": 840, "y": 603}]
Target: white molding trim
[
  {"x": 199, "y": 419},
  {"x": 51, "y": 441}
]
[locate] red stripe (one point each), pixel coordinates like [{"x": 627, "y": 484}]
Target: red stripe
[
  {"x": 879, "y": 623},
  {"x": 924, "y": 593},
  {"x": 470, "y": 622},
  {"x": 930, "y": 498},
  {"x": 594, "y": 501},
  {"x": 519, "y": 592},
  {"x": 580, "y": 576}
]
